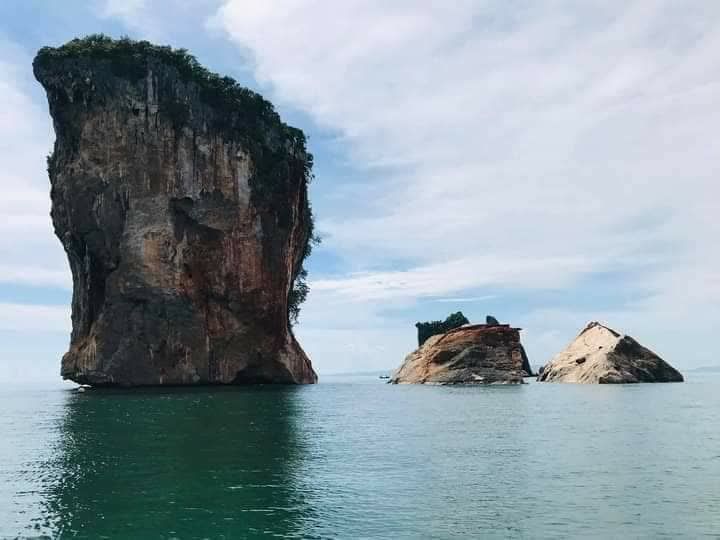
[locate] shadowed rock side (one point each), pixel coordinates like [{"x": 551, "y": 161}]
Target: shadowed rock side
[
  {"x": 601, "y": 355},
  {"x": 183, "y": 210},
  {"x": 473, "y": 354},
  {"x": 527, "y": 369}
]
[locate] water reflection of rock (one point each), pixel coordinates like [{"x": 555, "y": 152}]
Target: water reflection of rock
[{"x": 171, "y": 463}]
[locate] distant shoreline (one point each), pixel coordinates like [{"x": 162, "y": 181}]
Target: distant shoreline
[{"x": 704, "y": 369}]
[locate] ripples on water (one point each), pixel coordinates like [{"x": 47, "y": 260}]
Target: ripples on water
[{"x": 357, "y": 458}]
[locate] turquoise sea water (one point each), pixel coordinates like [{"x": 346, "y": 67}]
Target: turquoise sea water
[{"x": 355, "y": 458}]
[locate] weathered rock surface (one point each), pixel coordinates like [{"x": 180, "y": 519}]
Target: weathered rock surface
[
  {"x": 182, "y": 206},
  {"x": 601, "y": 355},
  {"x": 471, "y": 354}
]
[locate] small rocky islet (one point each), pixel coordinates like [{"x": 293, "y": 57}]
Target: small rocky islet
[
  {"x": 181, "y": 200},
  {"x": 457, "y": 352},
  {"x": 491, "y": 353},
  {"x": 600, "y": 355}
]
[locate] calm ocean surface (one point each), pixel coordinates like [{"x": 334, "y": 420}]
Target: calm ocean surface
[{"x": 355, "y": 458}]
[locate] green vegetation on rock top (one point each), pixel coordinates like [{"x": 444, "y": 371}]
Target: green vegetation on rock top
[
  {"x": 432, "y": 328},
  {"x": 129, "y": 58}
]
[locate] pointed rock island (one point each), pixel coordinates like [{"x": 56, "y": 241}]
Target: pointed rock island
[
  {"x": 468, "y": 354},
  {"x": 181, "y": 201},
  {"x": 600, "y": 355}
]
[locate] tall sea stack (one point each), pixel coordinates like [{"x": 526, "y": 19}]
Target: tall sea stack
[{"x": 181, "y": 201}]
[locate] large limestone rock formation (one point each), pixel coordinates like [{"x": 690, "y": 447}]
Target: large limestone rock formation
[
  {"x": 601, "y": 355},
  {"x": 181, "y": 201},
  {"x": 471, "y": 354}
]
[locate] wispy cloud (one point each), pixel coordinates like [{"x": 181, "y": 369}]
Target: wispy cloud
[
  {"x": 36, "y": 275},
  {"x": 465, "y": 299},
  {"x": 34, "y": 318},
  {"x": 456, "y": 275},
  {"x": 29, "y": 252},
  {"x": 158, "y": 19},
  {"x": 546, "y": 131},
  {"x": 128, "y": 10}
]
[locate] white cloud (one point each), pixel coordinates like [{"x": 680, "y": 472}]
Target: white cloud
[
  {"x": 29, "y": 252},
  {"x": 546, "y": 132},
  {"x": 459, "y": 274},
  {"x": 465, "y": 299},
  {"x": 34, "y": 318},
  {"x": 158, "y": 20},
  {"x": 123, "y": 9},
  {"x": 35, "y": 276},
  {"x": 523, "y": 146}
]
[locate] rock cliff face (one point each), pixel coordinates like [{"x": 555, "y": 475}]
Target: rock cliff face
[
  {"x": 474, "y": 354},
  {"x": 181, "y": 201},
  {"x": 601, "y": 355}
]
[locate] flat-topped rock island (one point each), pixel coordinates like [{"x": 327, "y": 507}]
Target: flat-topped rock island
[{"x": 469, "y": 354}]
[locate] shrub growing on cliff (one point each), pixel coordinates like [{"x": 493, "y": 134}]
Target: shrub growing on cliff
[
  {"x": 432, "y": 328},
  {"x": 298, "y": 294},
  {"x": 300, "y": 288}
]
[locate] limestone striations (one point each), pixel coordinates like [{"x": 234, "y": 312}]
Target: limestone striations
[
  {"x": 601, "y": 355},
  {"x": 471, "y": 354},
  {"x": 181, "y": 201}
]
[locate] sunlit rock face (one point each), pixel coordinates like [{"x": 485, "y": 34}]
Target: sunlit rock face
[
  {"x": 183, "y": 210},
  {"x": 471, "y": 354},
  {"x": 601, "y": 355}
]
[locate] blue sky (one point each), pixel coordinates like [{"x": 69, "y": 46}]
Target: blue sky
[{"x": 549, "y": 163}]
